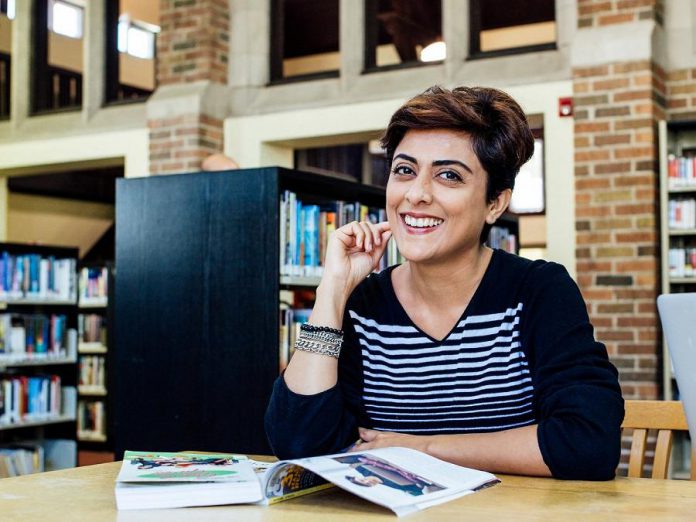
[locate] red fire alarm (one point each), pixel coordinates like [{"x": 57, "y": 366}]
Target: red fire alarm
[{"x": 565, "y": 106}]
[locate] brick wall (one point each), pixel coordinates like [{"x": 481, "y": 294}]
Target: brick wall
[
  {"x": 193, "y": 42},
  {"x": 681, "y": 94},
  {"x": 617, "y": 106},
  {"x": 594, "y": 13},
  {"x": 191, "y": 47},
  {"x": 179, "y": 144}
]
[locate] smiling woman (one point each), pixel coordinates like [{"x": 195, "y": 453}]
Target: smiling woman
[{"x": 472, "y": 355}]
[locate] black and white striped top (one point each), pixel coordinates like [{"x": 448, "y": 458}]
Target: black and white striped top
[
  {"x": 476, "y": 379},
  {"x": 523, "y": 352}
]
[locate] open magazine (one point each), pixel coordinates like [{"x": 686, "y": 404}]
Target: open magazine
[{"x": 400, "y": 479}]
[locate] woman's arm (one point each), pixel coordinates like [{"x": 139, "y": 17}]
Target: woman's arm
[
  {"x": 307, "y": 413},
  {"x": 514, "y": 451},
  {"x": 354, "y": 250}
]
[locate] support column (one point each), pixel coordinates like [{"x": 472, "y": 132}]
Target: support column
[
  {"x": 619, "y": 94},
  {"x": 186, "y": 113}
]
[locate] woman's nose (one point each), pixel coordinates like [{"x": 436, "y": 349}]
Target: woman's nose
[{"x": 420, "y": 190}]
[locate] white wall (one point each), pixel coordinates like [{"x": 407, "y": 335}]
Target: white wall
[{"x": 269, "y": 139}]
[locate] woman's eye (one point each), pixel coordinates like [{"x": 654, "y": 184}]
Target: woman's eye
[
  {"x": 403, "y": 170},
  {"x": 450, "y": 175}
]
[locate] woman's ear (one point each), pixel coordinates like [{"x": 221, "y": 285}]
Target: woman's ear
[{"x": 498, "y": 206}]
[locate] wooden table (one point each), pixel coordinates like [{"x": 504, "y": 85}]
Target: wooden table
[{"x": 87, "y": 494}]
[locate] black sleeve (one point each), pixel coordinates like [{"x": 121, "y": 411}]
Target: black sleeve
[
  {"x": 577, "y": 399},
  {"x": 308, "y": 425}
]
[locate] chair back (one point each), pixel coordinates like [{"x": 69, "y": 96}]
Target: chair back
[{"x": 663, "y": 416}]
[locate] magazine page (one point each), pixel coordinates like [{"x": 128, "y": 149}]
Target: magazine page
[
  {"x": 287, "y": 480},
  {"x": 401, "y": 479},
  {"x": 141, "y": 466}
]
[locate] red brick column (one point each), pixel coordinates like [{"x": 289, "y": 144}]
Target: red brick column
[
  {"x": 192, "y": 51},
  {"x": 616, "y": 199}
]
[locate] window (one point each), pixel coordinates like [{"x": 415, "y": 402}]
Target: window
[
  {"x": 528, "y": 196},
  {"x": 400, "y": 32},
  {"x": 503, "y": 27},
  {"x": 6, "y": 16},
  {"x": 56, "y": 74},
  {"x": 304, "y": 39},
  {"x": 66, "y": 18},
  {"x": 131, "y": 50},
  {"x": 8, "y": 7}
]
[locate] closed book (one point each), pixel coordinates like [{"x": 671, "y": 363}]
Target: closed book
[{"x": 150, "y": 480}]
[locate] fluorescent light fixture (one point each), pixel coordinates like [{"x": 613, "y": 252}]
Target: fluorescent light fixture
[
  {"x": 11, "y": 9},
  {"x": 141, "y": 43},
  {"x": 435, "y": 52},
  {"x": 66, "y": 19}
]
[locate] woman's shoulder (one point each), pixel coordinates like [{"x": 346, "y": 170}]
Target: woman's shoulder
[
  {"x": 526, "y": 278},
  {"x": 514, "y": 266}
]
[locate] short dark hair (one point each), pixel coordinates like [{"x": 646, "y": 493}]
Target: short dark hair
[{"x": 499, "y": 131}]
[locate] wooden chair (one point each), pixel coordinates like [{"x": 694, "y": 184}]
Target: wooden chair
[{"x": 663, "y": 416}]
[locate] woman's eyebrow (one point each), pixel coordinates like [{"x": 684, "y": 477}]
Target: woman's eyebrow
[
  {"x": 440, "y": 163},
  {"x": 406, "y": 157}
]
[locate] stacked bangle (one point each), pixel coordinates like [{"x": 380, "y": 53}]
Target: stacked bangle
[{"x": 321, "y": 340}]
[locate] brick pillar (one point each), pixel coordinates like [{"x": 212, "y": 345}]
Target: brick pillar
[
  {"x": 619, "y": 95},
  {"x": 186, "y": 113}
]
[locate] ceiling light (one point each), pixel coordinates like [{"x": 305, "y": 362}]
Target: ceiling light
[{"x": 434, "y": 52}]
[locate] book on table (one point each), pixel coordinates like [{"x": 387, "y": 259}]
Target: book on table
[{"x": 403, "y": 480}]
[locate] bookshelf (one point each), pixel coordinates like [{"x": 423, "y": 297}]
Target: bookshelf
[
  {"x": 94, "y": 399},
  {"x": 38, "y": 357},
  {"x": 197, "y": 303},
  {"x": 677, "y": 152}
]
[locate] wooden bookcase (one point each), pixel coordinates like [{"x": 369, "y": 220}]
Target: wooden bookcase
[
  {"x": 197, "y": 304},
  {"x": 677, "y": 143},
  {"x": 19, "y": 305}
]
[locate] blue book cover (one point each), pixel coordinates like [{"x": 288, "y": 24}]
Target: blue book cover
[
  {"x": 34, "y": 261},
  {"x": 311, "y": 235}
]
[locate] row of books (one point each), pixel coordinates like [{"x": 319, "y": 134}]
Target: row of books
[
  {"x": 32, "y": 276},
  {"x": 34, "y": 456},
  {"x": 36, "y": 336},
  {"x": 290, "y": 321},
  {"x": 92, "y": 370},
  {"x": 33, "y": 398},
  {"x": 21, "y": 460},
  {"x": 682, "y": 262},
  {"x": 305, "y": 229},
  {"x": 503, "y": 239},
  {"x": 94, "y": 283},
  {"x": 681, "y": 213},
  {"x": 680, "y": 172},
  {"x": 91, "y": 419},
  {"x": 91, "y": 328}
]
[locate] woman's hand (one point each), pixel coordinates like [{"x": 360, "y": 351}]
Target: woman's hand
[
  {"x": 372, "y": 439},
  {"x": 353, "y": 251}
]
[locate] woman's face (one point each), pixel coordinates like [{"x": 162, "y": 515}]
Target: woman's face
[{"x": 436, "y": 196}]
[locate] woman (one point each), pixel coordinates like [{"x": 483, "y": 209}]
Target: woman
[{"x": 475, "y": 356}]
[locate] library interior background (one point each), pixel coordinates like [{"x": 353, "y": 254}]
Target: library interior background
[{"x": 138, "y": 303}]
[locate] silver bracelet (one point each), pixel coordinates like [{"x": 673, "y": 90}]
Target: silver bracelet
[{"x": 330, "y": 349}]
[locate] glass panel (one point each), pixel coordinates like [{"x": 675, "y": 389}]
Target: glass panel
[
  {"x": 305, "y": 37},
  {"x": 512, "y": 25},
  {"x": 528, "y": 196},
  {"x": 403, "y": 32},
  {"x": 131, "y": 49},
  {"x": 6, "y": 8}
]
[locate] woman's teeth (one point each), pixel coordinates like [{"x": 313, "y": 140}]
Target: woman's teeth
[{"x": 421, "y": 222}]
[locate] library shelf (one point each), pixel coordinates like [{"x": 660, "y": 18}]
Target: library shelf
[
  {"x": 38, "y": 355},
  {"x": 94, "y": 348},
  {"x": 96, "y": 391}
]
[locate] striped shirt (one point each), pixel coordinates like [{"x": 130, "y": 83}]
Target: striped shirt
[{"x": 476, "y": 379}]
